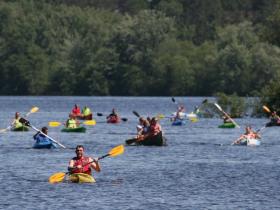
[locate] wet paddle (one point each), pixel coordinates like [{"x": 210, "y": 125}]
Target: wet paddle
[
  {"x": 59, "y": 177},
  {"x": 27, "y": 123},
  {"x": 87, "y": 122},
  {"x": 32, "y": 110},
  {"x": 220, "y": 108},
  {"x": 100, "y": 115}
]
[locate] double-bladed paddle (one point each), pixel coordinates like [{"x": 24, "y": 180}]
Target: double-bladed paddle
[
  {"x": 87, "y": 122},
  {"x": 27, "y": 123},
  {"x": 32, "y": 110},
  {"x": 220, "y": 108},
  {"x": 59, "y": 177},
  {"x": 101, "y": 114}
]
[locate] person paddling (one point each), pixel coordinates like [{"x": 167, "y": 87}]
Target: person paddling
[
  {"x": 226, "y": 119},
  {"x": 113, "y": 117},
  {"x": 72, "y": 122},
  {"x": 179, "y": 113},
  {"x": 42, "y": 141},
  {"x": 249, "y": 133},
  {"x": 82, "y": 163},
  {"x": 76, "y": 110},
  {"x": 86, "y": 111},
  {"x": 274, "y": 119},
  {"x": 16, "y": 122}
]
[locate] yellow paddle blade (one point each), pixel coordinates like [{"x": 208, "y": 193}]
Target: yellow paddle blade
[
  {"x": 265, "y": 108},
  {"x": 193, "y": 119},
  {"x": 34, "y": 109},
  {"x": 54, "y": 124},
  {"x": 160, "y": 116},
  {"x": 57, "y": 177},
  {"x": 89, "y": 122},
  {"x": 116, "y": 151}
]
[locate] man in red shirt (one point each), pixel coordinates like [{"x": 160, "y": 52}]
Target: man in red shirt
[
  {"x": 76, "y": 110},
  {"x": 81, "y": 163}
]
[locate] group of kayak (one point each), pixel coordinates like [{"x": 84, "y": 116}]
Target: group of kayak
[{"x": 250, "y": 137}]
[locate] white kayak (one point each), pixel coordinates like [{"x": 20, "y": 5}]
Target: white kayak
[
  {"x": 249, "y": 142},
  {"x": 185, "y": 115}
]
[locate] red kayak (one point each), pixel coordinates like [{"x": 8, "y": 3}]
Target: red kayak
[{"x": 113, "y": 119}]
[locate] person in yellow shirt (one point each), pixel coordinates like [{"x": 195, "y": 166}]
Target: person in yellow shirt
[
  {"x": 16, "y": 123},
  {"x": 72, "y": 122},
  {"x": 86, "y": 111}
]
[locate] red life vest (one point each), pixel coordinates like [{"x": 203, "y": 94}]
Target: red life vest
[
  {"x": 76, "y": 110},
  {"x": 84, "y": 163}
]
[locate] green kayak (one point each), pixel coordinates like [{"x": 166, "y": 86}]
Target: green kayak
[
  {"x": 227, "y": 125},
  {"x": 78, "y": 130},
  {"x": 21, "y": 128}
]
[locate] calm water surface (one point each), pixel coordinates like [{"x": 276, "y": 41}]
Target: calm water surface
[{"x": 197, "y": 170}]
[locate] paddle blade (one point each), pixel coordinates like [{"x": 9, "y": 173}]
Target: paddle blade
[
  {"x": 89, "y": 122},
  {"x": 99, "y": 114},
  {"x": 218, "y": 107},
  {"x": 116, "y": 151},
  {"x": 57, "y": 177},
  {"x": 54, "y": 124},
  {"x": 204, "y": 101},
  {"x": 124, "y": 119},
  {"x": 136, "y": 113},
  {"x": 265, "y": 108},
  {"x": 173, "y": 100},
  {"x": 193, "y": 119},
  {"x": 160, "y": 116},
  {"x": 34, "y": 109}
]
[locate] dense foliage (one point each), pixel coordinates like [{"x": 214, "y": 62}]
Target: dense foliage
[{"x": 139, "y": 47}]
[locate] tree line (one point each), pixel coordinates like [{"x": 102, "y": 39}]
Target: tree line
[{"x": 140, "y": 47}]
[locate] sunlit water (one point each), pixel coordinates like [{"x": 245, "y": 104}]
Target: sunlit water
[{"x": 199, "y": 169}]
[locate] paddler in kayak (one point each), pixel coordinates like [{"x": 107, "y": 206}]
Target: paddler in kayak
[
  {"x": 274, "y": 120},
  {"x": 150, "y": 130},
  {"x": 76, "y": 111},
  {"x": 249, "y": 133},
  {"x": 179, "y": 113},
  {"x": 72, "y": 122},
  {"x": 16, "y": 123},
  {"x": 226, "y": 119},
  {"x": 82, "y": 163},
  {"x": 143, "y": 127},
  {"x": 42, "y": 141},
  {"x": 86, "y": 111},
  {"x": 113, "y": 117}
]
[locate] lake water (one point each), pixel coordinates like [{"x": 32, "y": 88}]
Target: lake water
[{"x": 199, "y": 169}]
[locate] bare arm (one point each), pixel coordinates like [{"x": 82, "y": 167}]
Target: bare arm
[{"x": 95, "y": 165}]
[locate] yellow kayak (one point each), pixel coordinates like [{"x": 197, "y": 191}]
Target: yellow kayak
[{"x": 81, "y": 178}]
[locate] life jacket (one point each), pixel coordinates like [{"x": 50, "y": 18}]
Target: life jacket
[
  {"x": 71, "y": 123},
  {"x": 86, "y": 112},
  {"x": 76, "y": 111},
  {"x": 17, "y": 123},
  {"x": 86, "y": 169},
  {"x": 113, "y": 119}
]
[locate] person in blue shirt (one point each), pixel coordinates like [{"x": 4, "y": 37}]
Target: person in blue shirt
[{"x": 42, "y": 141}]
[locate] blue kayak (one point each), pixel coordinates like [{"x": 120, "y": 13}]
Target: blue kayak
[
  {"x": 43, "y": 142},
  {"x": 179, "y": 122}
]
